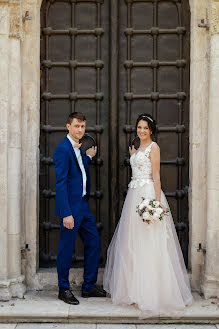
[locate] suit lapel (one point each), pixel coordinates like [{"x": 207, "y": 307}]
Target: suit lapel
[
  {"x": 86, "y": 167},
  {"x": 84, "y": 162},
  {"x": 75, "y": 157},
  {"x": 72, "y": 150}
]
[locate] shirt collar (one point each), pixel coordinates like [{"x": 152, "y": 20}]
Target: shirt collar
[{"x": 71, "y": 140}]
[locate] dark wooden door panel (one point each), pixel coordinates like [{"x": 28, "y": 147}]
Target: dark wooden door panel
[
  {"x": 74, "y": 65},
  {"x": 154, "y": 78},
  {"x": 78, "y": 74}
]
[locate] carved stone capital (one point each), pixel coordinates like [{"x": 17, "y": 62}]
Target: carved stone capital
[
  {"x": 15, "y": 19},
  {"x": 215, "y": 17}
]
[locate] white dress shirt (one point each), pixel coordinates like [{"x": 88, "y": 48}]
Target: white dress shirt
[{"x": 80, "y": 162}]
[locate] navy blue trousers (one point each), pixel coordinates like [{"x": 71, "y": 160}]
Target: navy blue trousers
[{"x": 85, "y": 225}]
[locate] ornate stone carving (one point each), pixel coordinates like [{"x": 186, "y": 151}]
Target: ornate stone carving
[
  {"x": 215, "y": 17},
  {"x": 15, "y": 12}
]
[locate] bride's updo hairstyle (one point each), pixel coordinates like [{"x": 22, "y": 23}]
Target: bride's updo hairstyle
[{"x": 151, "y": 122}]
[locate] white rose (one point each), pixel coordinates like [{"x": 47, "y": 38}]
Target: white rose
[
  {"x": 156, "y": 216},
  {"x": 141, "y": 206},
  {"x": 159, "y": 211},
  {"x": 145, "y": 202},
  {"x": 146, "y": 216},
  {"x": 156, "y": 203}
]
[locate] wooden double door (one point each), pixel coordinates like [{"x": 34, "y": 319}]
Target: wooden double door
[{"x": 112, "y": 60}]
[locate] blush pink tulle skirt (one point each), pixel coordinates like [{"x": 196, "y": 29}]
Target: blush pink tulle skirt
[{"x": 144, "y": 264}]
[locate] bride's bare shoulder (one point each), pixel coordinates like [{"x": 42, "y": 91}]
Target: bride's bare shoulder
[{"x": 155, "y": 147}]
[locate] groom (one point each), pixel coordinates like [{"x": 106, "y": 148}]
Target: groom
[{"x": 72, "y": 194}]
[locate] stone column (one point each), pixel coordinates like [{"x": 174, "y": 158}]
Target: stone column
[
  {"x": 13, "y": 280},
  {"x": 30, "y": 61},
  {"x": 4, "y": 31},
  {"x": 211, "y": 278},
  {"x": 14, "y": 170},
  {"x": 199, "y": 76}
]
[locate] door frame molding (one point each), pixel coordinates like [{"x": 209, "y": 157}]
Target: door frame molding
[{"x": 113, "y": 115}]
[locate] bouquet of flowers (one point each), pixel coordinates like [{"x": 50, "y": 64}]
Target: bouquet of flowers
[{"x": 151, "y": 211}]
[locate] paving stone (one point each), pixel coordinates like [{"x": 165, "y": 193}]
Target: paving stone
[
  {"x": 8, "y": 325},
  {"x": 55, "y": 326},
  {"x": 34, "y": 305},
  {"x": 116, "y": 326},
  {"x": 175, "y": 326}
]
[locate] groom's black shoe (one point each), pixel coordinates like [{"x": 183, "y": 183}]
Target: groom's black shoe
[
  {"x": 95, "y": 292},
  {"x": 68, "y": 297}
]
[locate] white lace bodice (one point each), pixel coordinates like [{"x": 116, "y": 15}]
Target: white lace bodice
[{"x": 141, "y": 168}]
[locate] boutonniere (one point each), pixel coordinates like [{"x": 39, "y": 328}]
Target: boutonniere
[{"x": 77, "y": 145}]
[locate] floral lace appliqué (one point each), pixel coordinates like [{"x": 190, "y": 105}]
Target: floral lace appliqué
[{"x": 141, "y": 168}]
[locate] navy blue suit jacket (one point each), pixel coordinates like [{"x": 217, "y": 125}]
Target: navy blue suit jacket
[{"x": 69, "y": 181}]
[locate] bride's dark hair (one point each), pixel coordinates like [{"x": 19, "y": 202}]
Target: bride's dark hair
[{"x": 147, "y": 117}]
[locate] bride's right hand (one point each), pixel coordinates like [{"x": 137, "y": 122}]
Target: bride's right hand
[
  {"x": 132, "y": 150},
  {"x": 164, "y": 208}
]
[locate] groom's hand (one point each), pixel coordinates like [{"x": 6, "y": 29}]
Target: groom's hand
[
  {"x": 92, "y": 151},
  {"x": 132, "y": 150},
  {"x": 68, "y": 222}
]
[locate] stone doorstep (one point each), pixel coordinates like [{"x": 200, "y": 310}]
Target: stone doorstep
[
  {"x": 43, "y": 306},
  {"x": 46, "y": 279}
]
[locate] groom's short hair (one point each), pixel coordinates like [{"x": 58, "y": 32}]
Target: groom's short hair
[{"x": 76, "y": 115}]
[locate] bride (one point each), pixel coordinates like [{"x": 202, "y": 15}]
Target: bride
[{"x": 144, "y": 264}]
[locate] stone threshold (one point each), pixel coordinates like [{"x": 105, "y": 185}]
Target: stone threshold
[
  {"x": 43, "y": 306},
  {"x": 46, "y": 278}
]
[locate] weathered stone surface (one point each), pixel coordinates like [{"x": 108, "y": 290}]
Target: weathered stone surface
[
  {"x": 10, "y": 158},
  {"x": 56, "y": 326},
  {"x": 46, "y": 279},
  {"x": 15, "y": 19},
  {"x": 4, "y": 30},
  {"x": 8, "y": 325},
  {"x": 116, "y": 326},
  {"x": 12, "y": 288},
  {"x": 45, "y": 307},
  {"x": 175, "y": 326},
  {"x": 104, "y": 326},
  {"x": 199, "y": 79},
  {"x": 215, "y": 17},
  {"x": 211, "y": 278}
]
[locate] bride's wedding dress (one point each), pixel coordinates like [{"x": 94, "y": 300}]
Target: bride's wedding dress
[{"x": 144, "y": 264}]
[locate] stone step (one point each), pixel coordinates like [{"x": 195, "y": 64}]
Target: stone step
[
  {"x": 104, "y": 326},
  {"x": 43, "y": 306}
]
